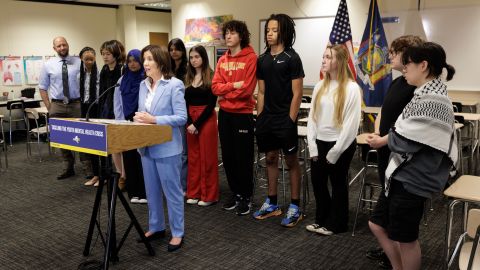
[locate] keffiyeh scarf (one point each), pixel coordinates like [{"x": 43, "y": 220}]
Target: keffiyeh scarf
[{"x": 427, "y": 119}]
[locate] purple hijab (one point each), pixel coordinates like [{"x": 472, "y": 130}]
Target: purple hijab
[{"x": 130, "y": 85}]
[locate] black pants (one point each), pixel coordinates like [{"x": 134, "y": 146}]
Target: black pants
[
  {"x": 135, "y": 184},
  {"x": 132, "y": 163},
  {"x": 332, "y": 211},
  {"x": 236, "y": 139}
]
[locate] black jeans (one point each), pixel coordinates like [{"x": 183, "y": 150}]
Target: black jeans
[
  {"x": 332, "y": 211},
  {"x": 236, "y": 139}
]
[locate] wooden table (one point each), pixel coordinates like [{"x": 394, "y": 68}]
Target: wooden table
[
  {"x": 465, "y": 190},
  {"x": 470, "y": 104},
  {"x": 305, "y": 106},
  {"x": 475, "y": 119},
  {"x": 372, "y": 110}
]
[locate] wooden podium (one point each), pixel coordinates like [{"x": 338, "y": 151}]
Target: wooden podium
[{"x": 103, "y": 137}]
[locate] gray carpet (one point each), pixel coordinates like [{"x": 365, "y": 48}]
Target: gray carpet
[{"x": 44, "y": 223}]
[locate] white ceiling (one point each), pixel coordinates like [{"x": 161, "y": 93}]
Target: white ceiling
[
  {"x": 120, "y": 2},
  {"x": 162, "y": 4}
]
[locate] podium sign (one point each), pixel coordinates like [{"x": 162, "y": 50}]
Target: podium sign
[
  {"x": 102, "y": 136},
  {"x": 78, "y": 136}
]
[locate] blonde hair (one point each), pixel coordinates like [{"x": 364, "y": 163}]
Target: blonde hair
[{"x": 344, "y": 75}]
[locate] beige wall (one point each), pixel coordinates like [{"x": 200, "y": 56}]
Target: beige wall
[
  {"x": 28, "y": 28},
  {"x": 251, "y": 11},
  {"x": 412, "y": 22},
  {"x": 148, "y": 21}
]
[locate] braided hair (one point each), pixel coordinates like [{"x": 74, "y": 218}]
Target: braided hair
[
  {"x": 92, "y": 88},
  {"x": 286, "y": 26}
]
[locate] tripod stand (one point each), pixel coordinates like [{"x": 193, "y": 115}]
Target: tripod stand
[
  {"x": 111, "y": 248},
  {"x": 101, "y": 138}
]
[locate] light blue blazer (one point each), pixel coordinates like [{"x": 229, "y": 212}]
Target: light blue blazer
[{"x": 168, "y": 107}]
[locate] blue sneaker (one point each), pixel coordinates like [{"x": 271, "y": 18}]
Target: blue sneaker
[
  {"x": 294, "y": 215},
  {"x": 267, "y": 210}
]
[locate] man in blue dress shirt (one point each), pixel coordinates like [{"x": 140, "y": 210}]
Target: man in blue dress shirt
[{"x": 60, "y": 91}]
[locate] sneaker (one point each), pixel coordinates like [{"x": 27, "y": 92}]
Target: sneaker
[
  {"x": 232, "y": 203},
  {"x": 317, "y": 229},
  {"x": 135, "y": 200},
  {"x": 192, "y": 201},
  {"x": 293, "y": 216},
  {"x": 267, "y": 210},
  {"x": 142, "y": 201},
  {"x": 202, "y": 203},
  {"x": 313, "y": 228},
  {"x": 243, "y": 207}
]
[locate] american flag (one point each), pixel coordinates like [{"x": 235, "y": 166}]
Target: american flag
[{"x": 342, "y": 34}]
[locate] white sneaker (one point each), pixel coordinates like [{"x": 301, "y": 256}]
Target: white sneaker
[
  {"x": 143, "y": 201},
  {"x": 135, "y": 200},
  {"x": 192, "y": 201},
  {"x": 202, "y": 203},
  {"x": 317, "y": 229}
]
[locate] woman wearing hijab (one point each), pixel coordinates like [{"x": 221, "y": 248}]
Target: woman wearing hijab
[{"x": 125, "y": 106}]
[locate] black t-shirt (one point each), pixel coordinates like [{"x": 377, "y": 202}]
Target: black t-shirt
[
  {"x": 278, "y": 74},
  {"x": 398, "y": 96},
  {"x": 200, "y": 96}
]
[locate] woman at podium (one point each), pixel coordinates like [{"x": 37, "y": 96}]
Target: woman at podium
[{"x": 161, "y": 101}]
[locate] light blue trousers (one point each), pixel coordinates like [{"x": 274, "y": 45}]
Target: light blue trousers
[{"x": 162, "y": 177}]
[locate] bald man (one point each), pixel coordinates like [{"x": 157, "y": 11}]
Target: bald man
[{"x": 60, "y": 90}]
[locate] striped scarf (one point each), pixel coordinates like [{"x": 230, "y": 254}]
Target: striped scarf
[{"x": 427, "y": 119}]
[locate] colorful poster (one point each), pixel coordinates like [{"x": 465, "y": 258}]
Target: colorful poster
[
  {"x": 11, "y": 70},
  {"x": 32, "y": 67},
  {"x": 205, "y": 29}
]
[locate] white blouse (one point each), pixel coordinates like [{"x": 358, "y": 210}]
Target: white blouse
[
  {"x": 324, "y": 129},
  {"x": 151, "y": 93}
]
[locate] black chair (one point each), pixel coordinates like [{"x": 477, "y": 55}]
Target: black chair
[
  {"x": 28, "y": 92},
  {"x": 466, "y": 142},
  {"x": 16, "y": 113},
  {"x": 306, "y": 99},
  {"x": 3, "y": 142},
  {"x": 457, "y": 106}
]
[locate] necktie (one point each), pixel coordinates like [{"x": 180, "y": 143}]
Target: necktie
[{"x": 66, "y": 92}]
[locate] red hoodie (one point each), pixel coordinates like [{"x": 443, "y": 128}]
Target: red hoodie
[{"x": 230, "y": 69}]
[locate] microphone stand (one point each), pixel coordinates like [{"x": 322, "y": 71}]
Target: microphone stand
[{"x": 87, "y": 115}]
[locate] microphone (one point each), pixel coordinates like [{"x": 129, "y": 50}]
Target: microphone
[{"x": 87, "y": 116}]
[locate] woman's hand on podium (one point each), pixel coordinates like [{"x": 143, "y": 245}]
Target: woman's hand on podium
[{"x": 144, "y": 117}]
